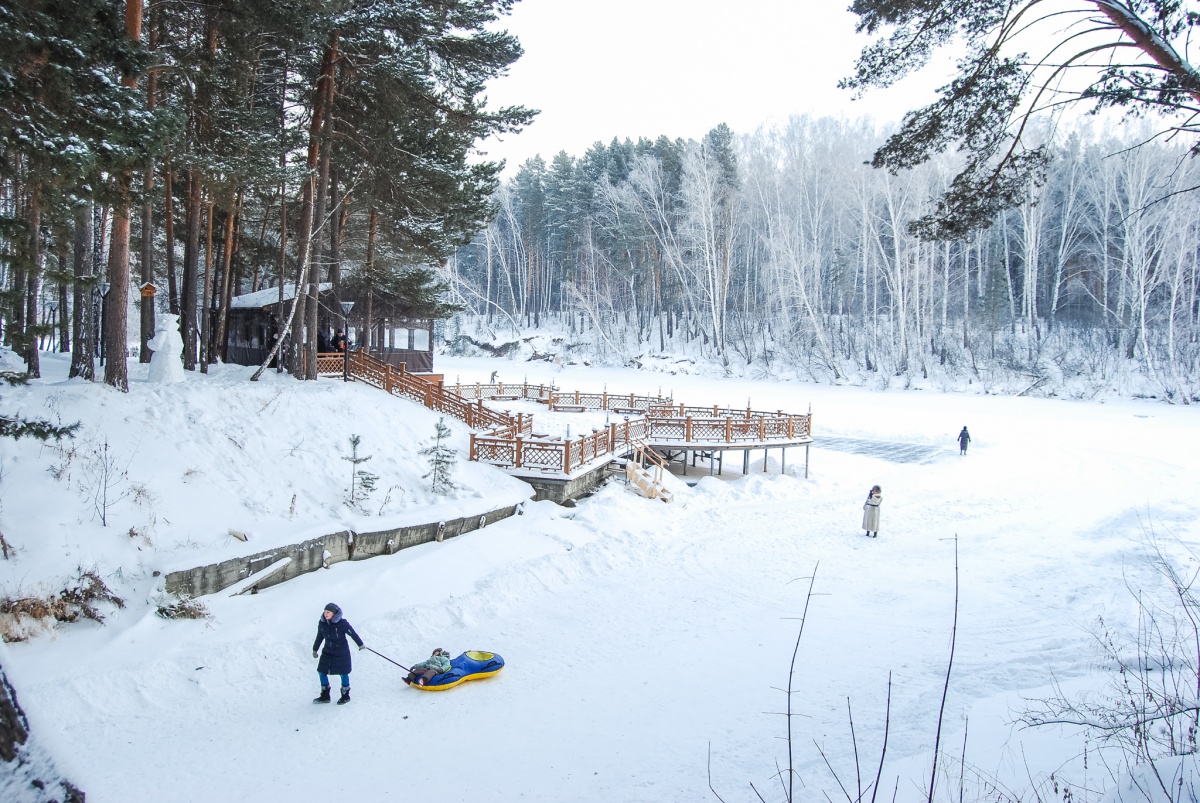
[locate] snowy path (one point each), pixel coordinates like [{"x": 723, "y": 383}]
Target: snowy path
[{"x": 637, "y": 633}]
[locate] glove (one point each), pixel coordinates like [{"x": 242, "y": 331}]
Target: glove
[
  {"x": 314, "y": 653},
  {"x": 362, "y": 647}
]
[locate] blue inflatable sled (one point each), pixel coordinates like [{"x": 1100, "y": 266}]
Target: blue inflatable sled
[{"x": 471, "y": 665}]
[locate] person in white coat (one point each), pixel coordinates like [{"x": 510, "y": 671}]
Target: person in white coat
[{"x": 871, "y": 512}]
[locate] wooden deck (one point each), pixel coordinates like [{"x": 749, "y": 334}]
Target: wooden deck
[{"x": 507, "y": 441}]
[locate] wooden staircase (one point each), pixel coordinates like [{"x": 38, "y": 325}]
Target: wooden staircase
[
  {"x": 398, "y": 382},
  {"x": 644, "y": 470}
]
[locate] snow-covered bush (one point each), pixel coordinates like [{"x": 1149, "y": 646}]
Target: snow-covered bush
[{"x": 24, "y": 616}]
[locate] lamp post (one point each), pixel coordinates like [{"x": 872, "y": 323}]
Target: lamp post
[
  {"x": 346, "y": 307},
  {"x": 104, "y": 288},
  {"x": 53, "y": 307}
]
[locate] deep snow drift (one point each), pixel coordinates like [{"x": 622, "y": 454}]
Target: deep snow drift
[{"x": 638, "y": 636}]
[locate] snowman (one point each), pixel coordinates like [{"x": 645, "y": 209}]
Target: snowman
[{"x": 167, "y": 344}]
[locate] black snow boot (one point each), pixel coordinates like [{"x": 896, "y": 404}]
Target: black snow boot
[
  {"x": 345, "y": 698},
  {"x": 324, "y": 698}
]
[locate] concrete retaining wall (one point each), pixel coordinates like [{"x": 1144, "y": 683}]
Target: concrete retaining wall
[
  {"x": 560, "y": 490},
  {"x": 310, "y": 555}
]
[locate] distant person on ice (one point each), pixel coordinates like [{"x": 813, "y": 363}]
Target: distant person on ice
[
  {"x": 423, "y": 672},
  {"x": 964, "y": 438},
  {"x": 335, "y": 659},
  {"x": 492, "y": 381},
  {"x": 871, "y": 512}
]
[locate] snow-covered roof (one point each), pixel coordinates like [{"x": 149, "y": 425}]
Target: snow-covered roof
[{"x": 269, "y": 296}]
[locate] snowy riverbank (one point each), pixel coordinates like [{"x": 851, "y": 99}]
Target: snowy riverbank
[{"x": 637, "y": 634}]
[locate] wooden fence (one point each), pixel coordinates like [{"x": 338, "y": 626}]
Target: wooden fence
[
  {"x": 726, "y": 426},
  {"x": 502, "y": 391},
  {"x": 556, "y": 454},
  {"x": 617, "y": 402},
  {"x": 399, "y": 382}
]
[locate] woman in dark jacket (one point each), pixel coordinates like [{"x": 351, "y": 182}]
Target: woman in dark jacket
[{"x": 335, "y": 659}]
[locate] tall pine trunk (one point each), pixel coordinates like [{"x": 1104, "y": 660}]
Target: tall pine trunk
[
  {"x": 64, "y": 329},
  {"x": 116, "y": 370},
  {"x": 169, "y": 231},
  {"x": 206, "y": 306},
  {"x": 319, "y": 209},
  {"x": 191, "y": 270},
  {"x": 225, "y": 294},
  {"x": 14, "y": 329},
  {"x": 370, "y": 312},
  {"x": 34, "y": 283},
  {"x": 83, "y": 345},
  {"x": 304, "y": 245},
  {"x": 147, "y": 301},
  {"x": 336, "y": 216}
]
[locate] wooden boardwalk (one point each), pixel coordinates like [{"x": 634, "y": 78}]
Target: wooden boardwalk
[{"x": 652, "y": 422}]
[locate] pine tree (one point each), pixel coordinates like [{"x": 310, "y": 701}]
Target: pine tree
[
  {"x": 16, "y": 427},
  {"x": 441, "y": 459},
  {"x": 362, "y": 482},
  {"x": 67, "y": 128},
  {"x": 1134, "y": 56}
]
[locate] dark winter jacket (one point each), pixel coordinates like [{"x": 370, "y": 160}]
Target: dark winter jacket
[
  {"x": 335, "y": 659},
  {"x": 964, "y": 438}
]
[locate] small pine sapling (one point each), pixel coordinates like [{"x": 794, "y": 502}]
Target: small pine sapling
[
  {"x": 362, "y": 482},
  {"x": 441, "y": 459},
  {"x": 15, "y": 427}
]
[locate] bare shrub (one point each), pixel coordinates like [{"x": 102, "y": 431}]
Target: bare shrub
[
  {"x": 23, "y": 617},
  {"x": 1150, "y": 708},
  {"x": 105, "y": 480},
  {"x": 183, "y": 607}
]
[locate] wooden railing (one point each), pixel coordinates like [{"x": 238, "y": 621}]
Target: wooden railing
[
  {"x": 555, "y": 454},
  {"x": 508, "y": 390},
  {"x": 620, "y": 402},
  {"x": 645, "y": 471},
  {"x": 508, "y": 440},
  {"x": 735, "y": 426},
  {"x": 330, "y": 364},
  {"x": 398, "y": 382},
  {"x": 646, "y": 457}
]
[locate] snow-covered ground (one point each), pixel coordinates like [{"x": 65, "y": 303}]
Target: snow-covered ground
[{"x": 640, "y": 638}]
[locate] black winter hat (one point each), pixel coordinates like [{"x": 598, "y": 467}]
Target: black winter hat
[{"x": 332, "y": 608}]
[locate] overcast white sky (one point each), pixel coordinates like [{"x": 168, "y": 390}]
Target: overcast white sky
[{"x": 599, "y": 69}]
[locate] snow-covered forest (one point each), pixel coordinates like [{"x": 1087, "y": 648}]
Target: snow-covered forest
[
  {"x": 784, "y": 248},
  {"x": 171, "y": 157},
  {"x": 261, "y": 152}
]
